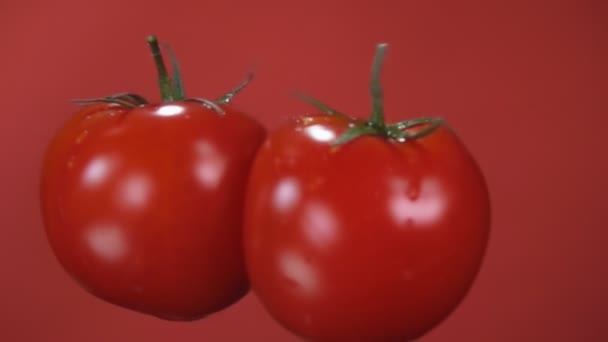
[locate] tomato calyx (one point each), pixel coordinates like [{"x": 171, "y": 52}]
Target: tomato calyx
[
  {"x": 224, "y": 99},
  {"x": 124, "y": 99},
  {"x": 171, "y": 87},
  {"x": 376, "y": 124}
]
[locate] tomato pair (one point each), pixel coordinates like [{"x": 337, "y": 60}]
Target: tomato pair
[{"x": 346, "y": 229}]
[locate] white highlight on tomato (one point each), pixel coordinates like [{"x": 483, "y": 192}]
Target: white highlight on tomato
[
  {"x": 210, "y": 165},
  {"x": 320, "y": 133},
  {"x": 97, "y": 171},
  {"x": 286, "y": 194},
  {"x": 319, "y": 224},
  {"x": 170, "y": 110},
  {"x": 107, "y": 242},
  {"x": 135, "y": 191},
  {"x": 418, "y": 206},
  {"x": 295, "y": 268}
]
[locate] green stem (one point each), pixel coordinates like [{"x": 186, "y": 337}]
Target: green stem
[
  {"x": 377, "y": 116},
  {"x": 166, "y": 89}
]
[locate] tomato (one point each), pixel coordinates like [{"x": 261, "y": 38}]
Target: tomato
[
  {"x": 360, "y": 231},
  {"x": 141, "y": 201}
]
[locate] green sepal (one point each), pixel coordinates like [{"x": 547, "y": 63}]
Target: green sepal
[
  {"x": 319, "y": 105},
  {"x": 124, "y": 99},
  {"x": 396, "y": 130},
  {"x": 355, "y": 132},
  {"x": 226, "y": 98},
  {"x": 176, "y": 81}
]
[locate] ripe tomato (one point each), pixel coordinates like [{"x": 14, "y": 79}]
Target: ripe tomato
[
  {"x": 358, "y": 231},
  {"x": 141, "y": 201}
]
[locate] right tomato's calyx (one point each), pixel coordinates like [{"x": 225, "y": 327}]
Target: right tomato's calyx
[
  {"x": 376, "y": 124},
  {"x": 171, "y": 87}
]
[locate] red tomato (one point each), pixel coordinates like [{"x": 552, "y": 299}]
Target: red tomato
[
  {"x": 376, "y": 239},
  {"x": 141, "y": 205}
]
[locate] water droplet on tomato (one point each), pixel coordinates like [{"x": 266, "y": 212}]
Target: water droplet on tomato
[
  {"x": 305, "y": 121},
  {"x": 417, "y": 205},
  {"x": 413, "y": 192},
  {"x": 81, "y": 137}
]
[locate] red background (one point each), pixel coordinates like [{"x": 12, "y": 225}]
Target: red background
[{"x": 523, "y": 82}]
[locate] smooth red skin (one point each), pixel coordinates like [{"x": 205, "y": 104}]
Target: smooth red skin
[
  {"x": 350, "y": 270},
  {"x": 168, "y": 243}
]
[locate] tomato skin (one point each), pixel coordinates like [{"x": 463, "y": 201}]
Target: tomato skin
[
  {"x": 138, "y": 205},
  {"x": 373, "y": 240}
]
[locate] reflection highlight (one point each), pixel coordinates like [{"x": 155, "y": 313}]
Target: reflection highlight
[
  {"x": 295, "y": 268},
  {"x": 320, "y": 133},
  {"x": 319, "y": 224},
  {"x": 170, "y": 110},
  {"x": 134, "y": 192},
  {"x": 97, "y": 171},
  {"x": 209, "y": 169},
  {"x": 107, "y": 242},
  {"x": 286, "y": 194}
]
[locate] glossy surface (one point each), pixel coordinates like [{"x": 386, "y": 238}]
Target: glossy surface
[
  {"x": 374, "y": 240},
  {"x": 139, "y": 205}
]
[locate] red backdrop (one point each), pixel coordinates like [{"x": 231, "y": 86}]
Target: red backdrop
[{"x": 523, "y": 82}]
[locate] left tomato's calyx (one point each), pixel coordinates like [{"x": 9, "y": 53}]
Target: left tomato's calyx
[
  {"x": 124, "y": 99},
  {"x": 171, "y": 87},
  {"x": 376, "y": 124}
]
